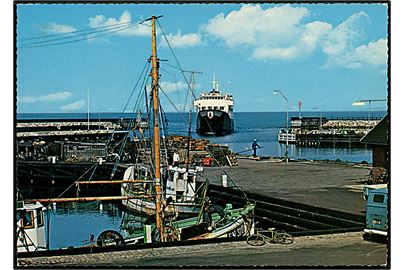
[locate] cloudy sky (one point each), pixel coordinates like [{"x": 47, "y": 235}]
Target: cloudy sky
[{"x": 325, "y": 55}]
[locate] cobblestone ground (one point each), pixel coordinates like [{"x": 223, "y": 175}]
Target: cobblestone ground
[{"x": 348, "y": 249}]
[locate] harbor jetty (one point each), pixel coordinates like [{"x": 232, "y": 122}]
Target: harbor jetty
[{"x": 321, "y": 131}]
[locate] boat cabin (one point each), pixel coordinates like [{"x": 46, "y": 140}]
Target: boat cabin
[
  {"x": 30, "y": 227},
  {"x": 214, "y": 100}
]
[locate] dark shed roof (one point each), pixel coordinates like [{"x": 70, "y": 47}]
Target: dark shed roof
[{"x": 378, "y": 135}]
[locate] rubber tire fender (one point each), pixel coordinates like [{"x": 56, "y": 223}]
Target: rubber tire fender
[{"x": 118, "y": 238}]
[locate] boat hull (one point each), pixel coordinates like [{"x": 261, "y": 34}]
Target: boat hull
[
  {"x": 148, "y": 207},
  {"x": 233, "y": 223},
  {"x": 214, "y": 122}
]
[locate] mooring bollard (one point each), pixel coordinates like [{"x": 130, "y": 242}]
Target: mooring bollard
[{"x": 224, "y": 180}]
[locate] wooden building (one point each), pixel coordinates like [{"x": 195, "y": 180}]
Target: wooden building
[{"x": 378, "y": 139}]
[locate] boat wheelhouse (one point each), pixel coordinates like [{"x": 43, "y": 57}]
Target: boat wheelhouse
[{"x": 30, "y": 227}]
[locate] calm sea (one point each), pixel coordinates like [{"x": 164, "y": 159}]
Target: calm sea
[
  {"x": 263, "y": 126},
  {"x": 72, "y": 224}
]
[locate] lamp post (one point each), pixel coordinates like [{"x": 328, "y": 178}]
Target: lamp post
[
  {"x": 275, "y": 92},
  {"x": 363, "y": 102},
  {"x": 320, "y": 116}
]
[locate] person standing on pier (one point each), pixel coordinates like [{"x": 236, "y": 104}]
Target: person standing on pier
[{"x": 255, "y": 145}]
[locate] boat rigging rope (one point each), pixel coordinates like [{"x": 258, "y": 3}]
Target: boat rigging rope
[
  {"x": 189, "y": 88},
  {"x": 136, "y": 106},
  {"x": 211, "y": 154},
  {"x": 146, "y": 67},
  {"x": 175, "y": 58},
  {"x": 70, "y": 37}
]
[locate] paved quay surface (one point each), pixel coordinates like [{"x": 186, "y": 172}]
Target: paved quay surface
[
  {"x": 328, "y": 185},
  {"x": 347, "y": 249}
]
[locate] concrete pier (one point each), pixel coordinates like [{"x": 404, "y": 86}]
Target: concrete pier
[{"x": 330, "y": 185}]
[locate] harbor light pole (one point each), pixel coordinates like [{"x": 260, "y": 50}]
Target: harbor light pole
[
  {"x": 363, "y": 102},
  {"x": 275, "y": 92}
]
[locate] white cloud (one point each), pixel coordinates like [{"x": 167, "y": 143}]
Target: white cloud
[
  {"x": 341, "y": 51},
  {"x": 181, "y": 41},
  {"x": 281, "y": 33},
  {"x": 137, "y": 30},
  {"x": 54, "y": 97},
  {"x": 54, "y": 28},
  {"x": 308, "y": 41},
  {"x": 74, "y": 106},
  {"x": 169, "y": 87},
  {"x": 373, "y": 54},
  {"x": 252, "y": 25},
  {"x": 342, "y": 36}
]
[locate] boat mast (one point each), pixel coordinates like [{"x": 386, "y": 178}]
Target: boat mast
[{"x": 156, "y": 135}]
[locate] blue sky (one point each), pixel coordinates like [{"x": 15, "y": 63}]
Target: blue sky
[{"x": 325, "y": 55}]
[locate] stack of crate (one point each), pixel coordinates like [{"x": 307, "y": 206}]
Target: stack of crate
[
  {"x": 200, "y": 150},
  {"x": 232, "y": 161}
]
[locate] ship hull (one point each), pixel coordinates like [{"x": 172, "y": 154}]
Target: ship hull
[{"x": 214, "y": 123}]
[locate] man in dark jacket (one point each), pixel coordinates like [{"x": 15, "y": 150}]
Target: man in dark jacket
[{"x": 255, "y": 145}]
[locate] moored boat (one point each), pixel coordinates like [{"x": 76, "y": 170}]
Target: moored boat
[
  {"x": 179, "y": 186},
  {"x": 30, "y": 223}
]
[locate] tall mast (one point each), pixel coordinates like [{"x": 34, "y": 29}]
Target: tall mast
[
  {"x": 88, "y": 110},
  {"x": 156, "y": 135}
]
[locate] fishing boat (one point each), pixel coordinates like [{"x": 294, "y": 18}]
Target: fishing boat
[
  {"x": 30, "y": 223},
  {"x": 214, "y": 112},
  {"x": 209, "y": 224},
  {"x": 179, "y": 187},
  {"x": 166, "y": 192},
  {"x": 157, "y": 189}
]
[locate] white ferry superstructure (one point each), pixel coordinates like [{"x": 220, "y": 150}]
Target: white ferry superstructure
[{"x": 214, "y": 112}]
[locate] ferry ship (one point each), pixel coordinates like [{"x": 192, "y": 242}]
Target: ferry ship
[{"x": 214, "y": 112}]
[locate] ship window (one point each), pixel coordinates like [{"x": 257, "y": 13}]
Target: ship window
[
  {"x": 222, "y": 108},
  {"x": 215, "y": 108},
  {"x": 203, "y": 107},
  {"x": 209, "y": 108},
  {"x": 40, "y": 218},
  {"x": 378, "y": 198},
  {"x": 27, "y": 219}
]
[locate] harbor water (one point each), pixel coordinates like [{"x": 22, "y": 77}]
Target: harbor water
[
  {"x": 74, "y": 224},
  {"x": 263, "y": 126}
]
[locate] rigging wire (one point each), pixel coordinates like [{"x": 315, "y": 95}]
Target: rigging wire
[
  {"x": 189, "y": 87},
  {"x": 175, "y": 57},
  {"x": 74, "y": 36},
  {"x": 146, "y": 67},
  {"x": 175, "y": 80},
  {"x": 130, "y": 129},
  {"x": 76, "y": 31},
  {"x": 123, "y": 111},
  {"x": 35, "y": 45}
]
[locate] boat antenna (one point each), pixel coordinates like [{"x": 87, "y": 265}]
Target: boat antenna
[
  {"x": 213, "y": 83},
  {"x": 156, "y": 134}
]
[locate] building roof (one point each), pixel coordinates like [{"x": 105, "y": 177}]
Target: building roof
[{"x": 378, "y": 135}]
